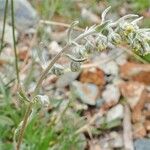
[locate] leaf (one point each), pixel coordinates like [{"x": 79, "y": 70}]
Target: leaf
[
  {"x": 100, "y": 27},
  {"x": 4, "y": 120},
  {"x": 147, "y": 57}
]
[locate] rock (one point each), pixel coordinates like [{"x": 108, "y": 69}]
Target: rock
[
  {"x": 104, "y": 143},
  {"x": 132, "y": 92},
  {"x": 86, "y": 92},
  {"x": 116, "y": 140},
  {"x": 122, "y": 56},
  {"x": 99, "y": 102},
  {"x": 8, "y": 36},
  {"x": 93, "y": 75},
  {"x": 142, "y": 77},
  {"x": 139, "y": 130},
  {"x": 136, "y": 72},
  {"x": 147, "y": 125},
  {"x": 111, "y": 94},
  {"x": 25, "y": 15},
  {"x": 110, "y": 67},
  {"x": 137, "y": 111},
  {"x": 23, "y": 53},
  {"x": 142, "y": 144},
  {"x": 66, "y": 79},
  {"x": 54, "y": 48},
  {"x": 115, "y": 113}
]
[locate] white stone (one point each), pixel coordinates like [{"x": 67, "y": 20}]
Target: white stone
[
  {"x": 111, "y": 94},
  {"x": 86, "y": 92},
  {"x": 121, "y": 55},
  {"x": 116, "y": 140},
  {"x": 54, "y": 47},
  {"x": 8, "y": 36},
  {"x": 115, "y": 113},
  {"x": 66, "y": 79},
  {"x": 25, "y": 15}
]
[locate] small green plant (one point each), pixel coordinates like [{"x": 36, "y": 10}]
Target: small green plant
[{"x": 108, "y": 34}]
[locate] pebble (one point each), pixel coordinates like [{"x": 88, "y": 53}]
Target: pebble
[
  {"x": 8, "y": 36},
  {"x": 132, "y": 92},
  {"x": 54, "y": 48},
  {"x": 122, "y": 56},
  {"x": 111, "y": 94},
  {"x": 115, "y": 113},
  {"x": 130, "y": 69},
  {"x": 142, "y": 144},
  {"x": 25, "y": 15},
  {"x": 99, "y": 102},
  {"x": 104, "y": 143},
  {"x": 66, "y": 79},
  {"x": 116, "y": 140},
  {"x": 111, "y": 67},
  {"x": 139, "y": 130},
  {"x": 86, "y": 92}
]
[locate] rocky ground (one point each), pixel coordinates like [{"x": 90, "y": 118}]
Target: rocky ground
[{"x": 111, "y": 92}]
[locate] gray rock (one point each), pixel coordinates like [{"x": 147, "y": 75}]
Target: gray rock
[
  {"x": 111, "y": 67},
  {"x": 8, "y": 36},
  {"x": 104, "y": 142},
  {"x": 25, "y": 15},
  {"x": 111, "y": 94},
  {"x": 116, "y": 140},
  {"x": 142, "y": 144},
  {"x": 86, "y": 92},
  {"x": 66, "y": 79},
  {"x": 99, "y": 102},
  {"x": 122, "y": 56},
  {"x": 115, "y": 113}
]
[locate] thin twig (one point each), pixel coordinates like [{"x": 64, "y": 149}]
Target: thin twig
[
  {"x": 60, "y": 24},
  {"x": 86, "y": 127},
  {"x": 14, "y": 41},
  {"x": 127, "y": 129},
  {"x": 4, "y": 24},
  {"x": 25, "y": 120}
]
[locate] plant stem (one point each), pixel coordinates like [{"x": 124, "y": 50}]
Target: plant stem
[
  {"x": 59, "y": 24},
  {"x": 25, "y": 120},
  {"x": 4, "y": 23},
  {"x": 54, "y": 60},
  {"x": 14, "y": 41}
]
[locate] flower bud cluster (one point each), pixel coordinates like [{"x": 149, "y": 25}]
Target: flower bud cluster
[{"x": 123, "y": 31}]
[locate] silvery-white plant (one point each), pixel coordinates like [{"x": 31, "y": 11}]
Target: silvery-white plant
[{"x": 107, "y": 35}]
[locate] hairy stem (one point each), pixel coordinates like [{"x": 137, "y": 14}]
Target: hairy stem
[
  {"x": 25, "y": 120},
  {"x": 4, "y": 23},
  {"x": 59, "y": 24},
  {"x": 45, "y": 72}
]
